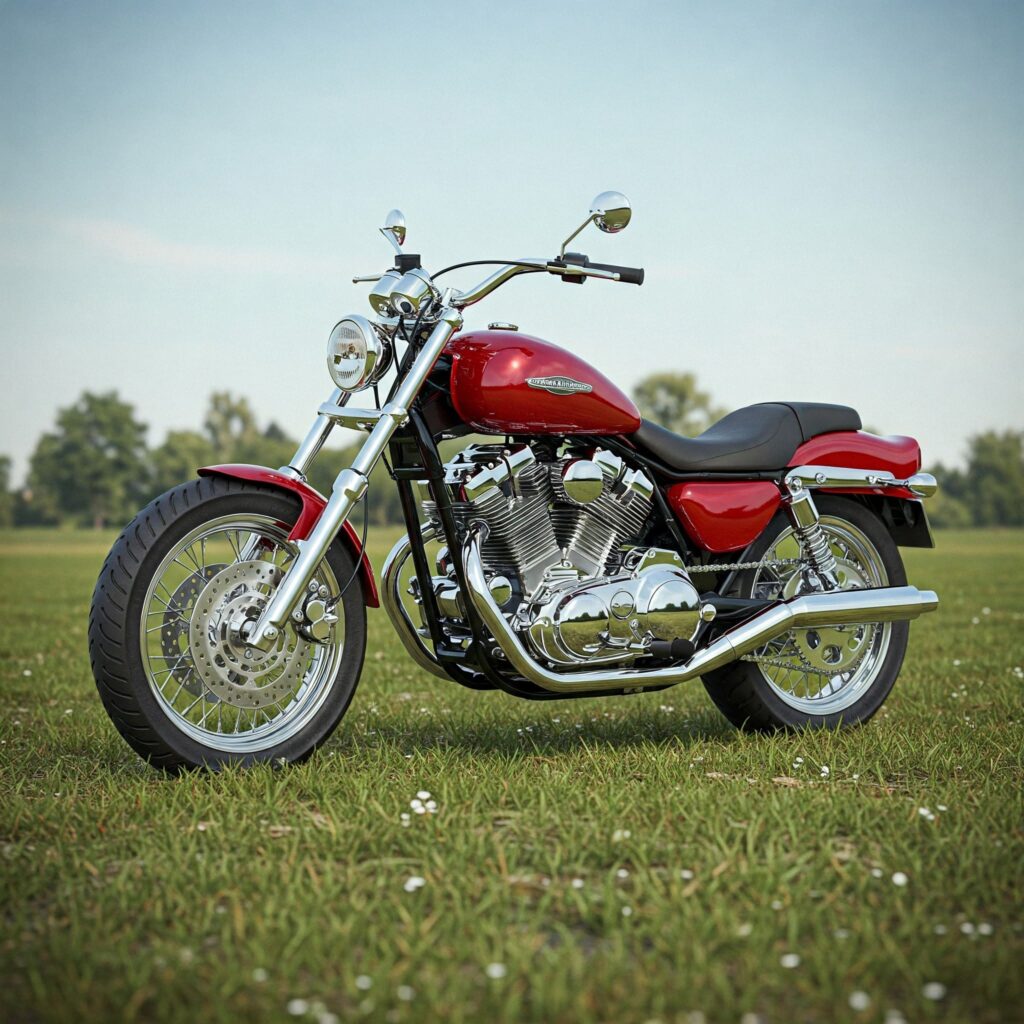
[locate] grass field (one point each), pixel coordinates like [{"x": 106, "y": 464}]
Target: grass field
[{"x": 624, "y": 859}]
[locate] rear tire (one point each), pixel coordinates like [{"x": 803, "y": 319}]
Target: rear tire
[
  {"x": 117, "y": 628},
  {"x": 745, "y": 691}
]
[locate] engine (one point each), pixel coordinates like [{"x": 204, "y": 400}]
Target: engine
[{"x": 562, "y": 554}]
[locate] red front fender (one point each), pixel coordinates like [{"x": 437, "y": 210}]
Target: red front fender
[{"x": 313, "y": 503}]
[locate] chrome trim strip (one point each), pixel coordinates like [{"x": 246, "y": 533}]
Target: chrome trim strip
[
  {"x": 838, "y": 477},
  {"x": 886, "y": 604},
  {"x": 391, "y": 600}
]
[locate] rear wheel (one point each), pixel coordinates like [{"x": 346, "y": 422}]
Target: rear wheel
[
  {"x": 823, "y": 676},
  {"x": 175, "y": 599}
]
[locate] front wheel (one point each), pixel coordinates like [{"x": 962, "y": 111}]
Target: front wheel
[
  {"x": 823, "y": 676},
  {"x": 175, "y": 598}
]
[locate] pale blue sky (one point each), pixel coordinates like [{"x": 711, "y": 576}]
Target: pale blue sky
[{"x": 828, "y": 198}]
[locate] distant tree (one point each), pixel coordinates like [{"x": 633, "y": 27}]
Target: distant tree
[
  {"x": 674, "y": 401},
  {"x": 178, "y": 458},
  {"x": 229, "y": 423},
  {"x": 995, "y": 471},
  {"x": 94, "y": 466},
  {"x": 6, "y": 498}
]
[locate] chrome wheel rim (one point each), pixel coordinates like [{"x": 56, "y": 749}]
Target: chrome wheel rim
[
  {"x": 823, "y": 670},
  {"x": 209, "y": 685}
]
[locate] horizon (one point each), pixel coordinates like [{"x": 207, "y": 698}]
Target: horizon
[{"x": 827, "y": 202}]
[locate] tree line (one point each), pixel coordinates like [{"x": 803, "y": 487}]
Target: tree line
[{"x": 96, "y": 467}]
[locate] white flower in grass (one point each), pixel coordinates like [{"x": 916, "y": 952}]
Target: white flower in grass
[
  {"x": 859, "y": 1001},
  {"x": 790, "y": 960},
  {"x": 899, "y": 879},
  {"x": 619, "y": 834},
  {"x": 406, "y": 993},
  {"x": 943, "y": 807},
  {"x": 27, "y": 672},
  {"x": 414, "y": 883},
  {"x": 876, "y": 872},
  {"x": 894, "y": 1016},
  {"x": 259, "y": 975},
  {"x": 326, "y": 1017},
  {"x": 776, "y": 904},
  {"x": 686, "y": 874},
  {"x": 627, "y": 911},
  {"x": 297, "y": 1007},
  {"x": 577, "y": 883},
  {"x": 364, "y": 982},
  {"x": 985, "y": 928},
  {"x": 934, "y": 990},
  {"x": 744, "y": 930},
  {"x": 967, "y": 928},
  {"x": 986, "y": 611},
  {"x": 422, "y": 795},
  {"x": 496, "y": 971},
  {"x": 622, "y": 873}
]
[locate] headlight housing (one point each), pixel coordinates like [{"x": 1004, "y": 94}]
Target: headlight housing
[{"x": 354, "y": 354}]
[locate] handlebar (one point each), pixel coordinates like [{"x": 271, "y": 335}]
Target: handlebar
[{"x": 572, "y": 267}]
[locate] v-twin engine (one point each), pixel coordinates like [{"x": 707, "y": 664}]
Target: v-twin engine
[{"x": 563, "y": 557}]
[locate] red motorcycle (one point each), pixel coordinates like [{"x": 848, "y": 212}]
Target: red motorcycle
[{"x": 582, "y": 551}]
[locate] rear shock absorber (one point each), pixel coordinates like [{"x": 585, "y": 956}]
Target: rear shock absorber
[{"x": 803, "y": 514}]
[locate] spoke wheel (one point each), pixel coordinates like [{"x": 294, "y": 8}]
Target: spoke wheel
[
  {"x": 823, "y": 669},
  {"x": 209, "y": 585},
  {"x": 175, "y": 600},
  {"x": 825, "y": 676}
]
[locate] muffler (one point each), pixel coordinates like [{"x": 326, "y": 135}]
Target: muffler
[{"x": 837, "y": 608}]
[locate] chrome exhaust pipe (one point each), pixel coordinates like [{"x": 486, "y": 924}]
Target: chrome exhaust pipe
[
  {"x": 836, "y": 608},
  {"x": 391, "y": 599}
]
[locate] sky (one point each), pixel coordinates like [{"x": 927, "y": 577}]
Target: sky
[{"x": 828, "y": 198}]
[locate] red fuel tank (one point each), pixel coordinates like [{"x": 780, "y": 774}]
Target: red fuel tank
[{"x": 510, "y": 383}]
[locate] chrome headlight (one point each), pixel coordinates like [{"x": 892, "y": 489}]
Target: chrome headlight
[{"x": 354, "y": 353}]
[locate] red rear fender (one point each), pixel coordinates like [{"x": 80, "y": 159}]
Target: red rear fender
[
  {"x": 898, "y": 455},
  {"x": 313, "y": 503}
]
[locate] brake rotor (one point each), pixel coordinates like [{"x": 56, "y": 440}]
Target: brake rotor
[
  {"x": 831, "y": 650},
  {"x": 175, "y": 628},
  {"x": 235, "y": 673}
]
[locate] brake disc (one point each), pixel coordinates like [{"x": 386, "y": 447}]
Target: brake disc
[
  {"x": 827, "y": 650},
  {"x": 175, "y": 628},
  {"x": 835, "y": 649},
  {"x": 238, "y": 674}
]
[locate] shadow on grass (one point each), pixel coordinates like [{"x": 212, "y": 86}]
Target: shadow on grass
[{"x": 636, "y": 729}]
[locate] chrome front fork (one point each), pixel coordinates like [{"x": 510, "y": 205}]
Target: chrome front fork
[{"x": 351, "y": 483}]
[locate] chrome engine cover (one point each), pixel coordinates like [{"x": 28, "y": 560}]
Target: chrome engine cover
[
  {"x": 561, "y": 556},
  {"x": 613, "y": 619}
]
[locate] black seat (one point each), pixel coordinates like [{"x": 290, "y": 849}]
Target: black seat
[{"x": 756, "y": 438}]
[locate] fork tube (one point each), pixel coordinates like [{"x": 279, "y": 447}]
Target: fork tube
[
  {"x": 349, "y": 487},
  {"x": 317, "y": 436}
]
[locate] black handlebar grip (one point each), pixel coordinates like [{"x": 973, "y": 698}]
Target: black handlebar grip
[{"x": 627, "y": 275}]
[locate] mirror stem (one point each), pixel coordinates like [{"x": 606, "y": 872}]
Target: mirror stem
[{"x": 573, "y": 235}]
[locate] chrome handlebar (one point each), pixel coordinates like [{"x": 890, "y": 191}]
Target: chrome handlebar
[{"x": 529, "y": 265}]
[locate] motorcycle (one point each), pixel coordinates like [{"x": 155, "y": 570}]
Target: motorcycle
[{"x": 573, "y": 550}]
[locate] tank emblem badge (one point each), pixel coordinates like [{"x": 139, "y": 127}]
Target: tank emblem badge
[{"x": 559, "y": 385}]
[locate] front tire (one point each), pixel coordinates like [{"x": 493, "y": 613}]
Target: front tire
[
  {"x": 166, "y": 624},
  {"x": 791, "y": 684}
]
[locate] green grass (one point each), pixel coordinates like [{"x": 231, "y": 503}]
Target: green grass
[{"x": 131, "y": 896}]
